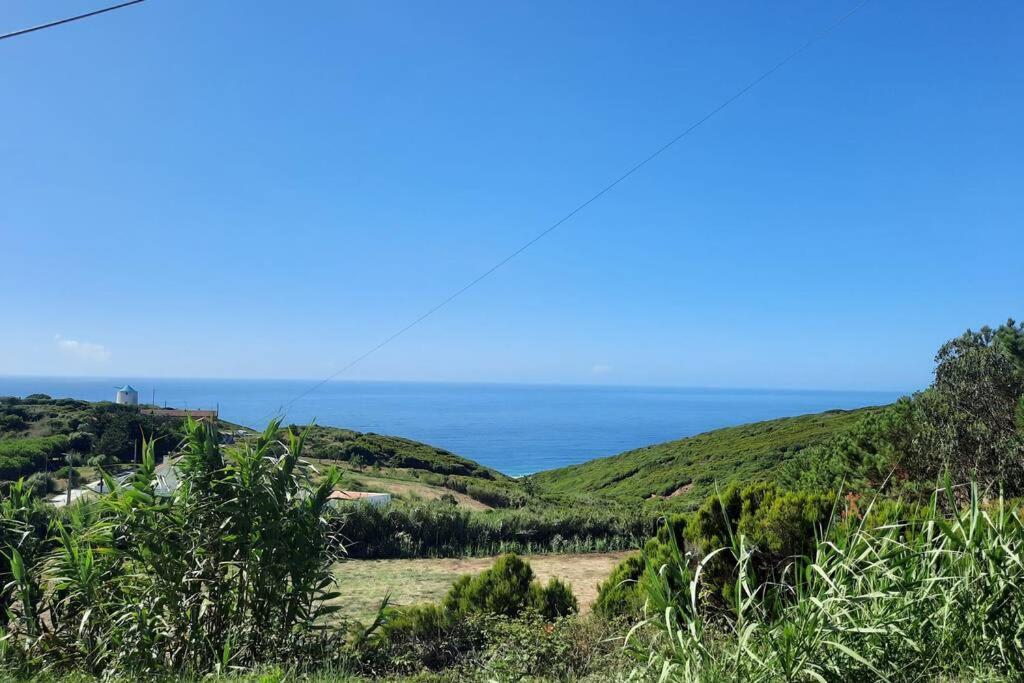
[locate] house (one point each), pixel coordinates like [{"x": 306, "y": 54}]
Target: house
[
  {"x": 338, "y": 498},
  {"x": 208, "y": 415}
]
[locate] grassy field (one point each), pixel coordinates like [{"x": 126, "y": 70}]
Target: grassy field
[
  {"x": 685, "y": 472},
  {"x": 365, "y": 582}
]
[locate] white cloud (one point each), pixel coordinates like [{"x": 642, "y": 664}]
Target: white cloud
[
  {"x": 600, "y": 369},
  {"x": 96, "y": 353}
]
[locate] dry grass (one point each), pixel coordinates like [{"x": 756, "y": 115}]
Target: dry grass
[
  {"x": 364, "y": 582},
  {"x": 411, "y": 489}
]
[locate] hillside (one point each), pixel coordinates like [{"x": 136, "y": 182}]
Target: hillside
[
  {"x": 685, "y": 471},
  {"x": 368, "y": 449},
  {"x": 37, "y": 433},
  {"x": 410, "y": 469}
]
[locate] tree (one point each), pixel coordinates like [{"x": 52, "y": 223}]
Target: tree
[{"x": 967, "y": 421}]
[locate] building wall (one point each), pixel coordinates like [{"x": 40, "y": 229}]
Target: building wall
[{"x": 128, "y": 398}]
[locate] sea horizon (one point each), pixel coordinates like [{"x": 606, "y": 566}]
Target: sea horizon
[{"x": 516, "y": 428}]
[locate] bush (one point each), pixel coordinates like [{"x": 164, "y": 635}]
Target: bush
[
  {"x": 779, "y": 527},
  {"x": 508, "y": 589},
  {"x": 553, "y": 600},
  {"x": 73, "y": 476},
  {"x": 10, "y": 422},
  {"x": 80, "y": 441},
  {"x": 39, "y": 484},
  {"x": 22, "y": 457},
  {"x": 528, "y": 649},
  {"x": 617, "y": 595},
  {"x": 436, "y": 635}
]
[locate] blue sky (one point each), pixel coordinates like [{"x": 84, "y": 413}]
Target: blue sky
[{"x": 197, "y": 189}]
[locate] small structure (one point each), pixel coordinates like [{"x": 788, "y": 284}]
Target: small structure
[
  {"x": 127, "y": 396},
  {"x": 208, "y": 415},
  {"x": 341, "y": 497}
]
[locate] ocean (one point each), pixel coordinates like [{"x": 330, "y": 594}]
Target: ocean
[{"x": 514, "y": 428}]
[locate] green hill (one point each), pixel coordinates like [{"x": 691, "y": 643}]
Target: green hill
[
  {"x": 677, "y": 473},
  {"x": 37, "y": 432},
  {"x": 368, "y": 449},
  {"x": 685, "y": 471}
]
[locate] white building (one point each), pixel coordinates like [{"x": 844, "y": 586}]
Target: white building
[{"x": 127, "y": 396}]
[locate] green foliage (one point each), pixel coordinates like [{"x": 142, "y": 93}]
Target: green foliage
[
  {"x": 436, "y": 635},
  {"x": 967, "y": 425},
  {"x": 527, "y": 648},
  {"x": 499, "y": 494},
  {"x": 24, "y": 523},
  {"x": 554, "y": 599},
  {"x": 37, "y": 428},
  {"x": 39, "y": 484},
  {"x": 779, "y": 527},
  {"x": 232, "y": 570},
  {"x": 508, "y": 589},
  {"x": 680, "y": 474},
  {"x": 438, "y": 529},
  {"x": 940, "y": 598},
  {"x": 331, "y": 443},
  {"x": 617, "y": 595},
  {"x": 21, "y": 457}
]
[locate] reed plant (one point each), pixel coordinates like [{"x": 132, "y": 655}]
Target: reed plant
[
  {"x": 232, "y": 569},
  {"x": 937, "y": 598}
]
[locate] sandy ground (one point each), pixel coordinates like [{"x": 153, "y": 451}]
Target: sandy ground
[{"x": 364, "y": 582}]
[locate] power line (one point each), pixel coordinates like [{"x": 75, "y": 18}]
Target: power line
[
  {"x": 68, "y": 20},
  {"x": 600, "y": 193}
]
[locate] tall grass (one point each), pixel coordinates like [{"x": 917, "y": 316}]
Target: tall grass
[{"x": 938, "y": 598}]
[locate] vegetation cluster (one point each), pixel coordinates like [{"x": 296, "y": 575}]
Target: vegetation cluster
[{"x": 440, "y": 529}]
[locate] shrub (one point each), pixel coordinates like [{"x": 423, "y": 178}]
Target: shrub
[
  {"x": 528, "y": 649},
  {"x": 779, "y": 527},
  {"x": 617, "y": 595},
  {"x": 436, "y": 635},
  {"x": 503, "y": 589},
  {"x": 39, "y": 484},
  {"x": 508, "y": 589},
  {"x": 71, "y": 474},
  {"x": 10, "y": 422},
  {"x": 80, "y": 441},
  {"x": 21, "y": 457},
  {"x": 553, "y": 600}
]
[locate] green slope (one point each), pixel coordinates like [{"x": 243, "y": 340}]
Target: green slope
[
  {"x": 684, "y": 472},
  {"x": 335, "y": 443}
]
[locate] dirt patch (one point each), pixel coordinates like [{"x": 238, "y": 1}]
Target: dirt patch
[
  {"x": 365, "y": 582},
  {"x": 682, "y": 490}
]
